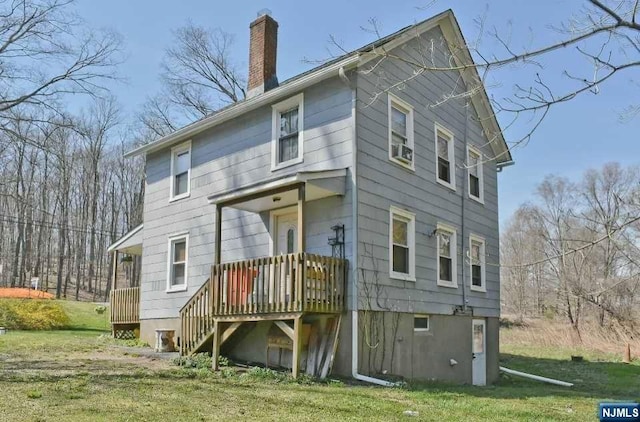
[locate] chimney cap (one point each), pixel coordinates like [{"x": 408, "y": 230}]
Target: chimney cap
[{"x": 264, "y": 12}]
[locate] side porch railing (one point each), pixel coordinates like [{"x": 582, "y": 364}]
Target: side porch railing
[{"x": 125, "y": 306}]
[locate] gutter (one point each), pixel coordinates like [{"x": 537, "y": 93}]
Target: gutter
[
  {"x": 354, "y": 242},
  {"x": 245, "y": 106},
  {"x": 504, "y": 164}
]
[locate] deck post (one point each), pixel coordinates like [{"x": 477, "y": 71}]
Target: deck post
[
  {"x": 301, "y": 231},
  {"x": 216, "y": 344},
  {"x": 218, "y": 234},
  {"x": 114, "y": 271},
  {"x": 297, "y": 346}
]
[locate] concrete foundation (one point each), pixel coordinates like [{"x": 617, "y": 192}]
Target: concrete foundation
[
  {"x": 390, "y": 347},
  {"x": 388, "y": 343},
  {"x": 148, "y": 328}
]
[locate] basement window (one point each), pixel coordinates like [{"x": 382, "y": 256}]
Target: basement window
[{"x": 421, "y": 323}]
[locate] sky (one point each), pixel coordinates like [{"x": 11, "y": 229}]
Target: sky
[{"x": 584, "y": 133}]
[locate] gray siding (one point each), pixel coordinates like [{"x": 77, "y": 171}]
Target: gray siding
[
  {"x": 236, "y": 154},
  {"x": 382, "y": 183}
]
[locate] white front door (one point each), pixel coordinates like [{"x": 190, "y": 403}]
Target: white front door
[
  {"x": 479, "y": 346},
  {"x": 286, "y": 232}
]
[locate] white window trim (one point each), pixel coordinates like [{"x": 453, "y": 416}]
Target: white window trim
[
  {"x": 422, "y": 330},
  {"x": 473, "y": 149},
  {"x": 408, "y": 109},
  {"x": 186, "y": 146},
  {"x": 288, "y": 104},
  {"x": 411, "y": 241},
  {"x": 454, "y": 256},
  {"x": 171, "y": 239},
  {"x": 452, "y": 157},
  {"x": 483, "y": 253}
]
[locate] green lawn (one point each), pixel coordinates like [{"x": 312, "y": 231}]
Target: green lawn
[{"x": 79, "y": 375}]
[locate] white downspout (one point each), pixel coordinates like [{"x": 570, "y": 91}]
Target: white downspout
[{"x": 354, "y": 244}]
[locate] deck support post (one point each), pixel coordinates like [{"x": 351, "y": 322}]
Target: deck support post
[
  {"x": 114, "y": 270},
  {"x": 215, "y": 353},
  {"x": 297, "y": 347},
  {"x": 301, "y": 233},
  {"x": 218, "y": 244}
]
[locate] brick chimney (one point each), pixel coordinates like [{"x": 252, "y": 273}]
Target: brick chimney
[{"x": 262, "y": 54}]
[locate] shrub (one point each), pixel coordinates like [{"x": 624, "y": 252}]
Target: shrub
[
  {"x": 100, "y": 309},
  {"x": 198, "y": 361},
  {"x": 29, "y": 314},
  {"x": 266, "y": 374}
]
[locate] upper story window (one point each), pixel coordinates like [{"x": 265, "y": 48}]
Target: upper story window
[
  {"x": 287, "y": 142},
  {"x": 178, "y": 256},
  {"x": 445, "y": 172},
  {"x": 180, "y": 171},
  {"x": 447, "y": 262},
  {"x": 400, "y": 132},
  {"x": 474, "y": 169},
  {"x": 477, "y": 263},
  {"x": 402, "y": 247}
]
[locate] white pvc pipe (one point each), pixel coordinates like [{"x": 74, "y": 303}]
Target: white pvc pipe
[
  {"x": 535, "y": 377},
  {"x": 354, "y": 244}
]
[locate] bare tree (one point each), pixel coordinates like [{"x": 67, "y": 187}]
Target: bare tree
[
  {"x": 584, "y": 238},
  {"x": 602, "y": 36},
  {"x": 47, "y": 52},
  {"x": 198, "y": 77}
]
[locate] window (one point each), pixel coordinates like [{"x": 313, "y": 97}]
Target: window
[
  {"x": 178, "y": 256},
  {"x": 447, "y": 263},
  {"x": 288, "y": 118},
  {"x": 421, "y": 323},
  {"x": 402, "y": 244},
  {"x": 474, "y": 168},
  {"x": 477, "y": 263},
  {"x": 400, "y": 132},
  {"x": 180, "y": 171},
  {"x": 291, "y": 234},
  {"x": 445, "y": 172}
]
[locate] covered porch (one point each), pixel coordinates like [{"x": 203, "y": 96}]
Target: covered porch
[
  {"x": 284, "y": 286},
  {"x": 125, "y": 301}
]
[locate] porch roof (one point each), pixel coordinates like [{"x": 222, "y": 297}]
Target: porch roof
[
  {"x": 274, "y": 193},
  {"x": 130, "y": 243}
]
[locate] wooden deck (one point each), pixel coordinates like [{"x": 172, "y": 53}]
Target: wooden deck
[
  {"x": 276, "y": 288},
  {"x": 125, "y": 309}
]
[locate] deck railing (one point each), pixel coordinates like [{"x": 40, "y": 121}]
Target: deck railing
[
  {"x": 298, "y": 282},
  {"x": 125, "y": 306}
]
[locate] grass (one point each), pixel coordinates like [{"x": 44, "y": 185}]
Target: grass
[{"x": 78, "y": 375}]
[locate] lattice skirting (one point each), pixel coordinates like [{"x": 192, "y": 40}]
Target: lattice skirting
[{"x": 126, "y": 332}]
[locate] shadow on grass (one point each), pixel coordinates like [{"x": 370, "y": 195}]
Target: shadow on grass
[
  {"x": 89, "y": 330},
  {"x": 592, "y": 379}
]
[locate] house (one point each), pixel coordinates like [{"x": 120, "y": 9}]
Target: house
[{"x": 337, "y": 219}]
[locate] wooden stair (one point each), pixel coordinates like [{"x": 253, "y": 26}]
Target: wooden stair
[
  {"x": 196, "y": 321},
  {"x": 276, "y": 288}
]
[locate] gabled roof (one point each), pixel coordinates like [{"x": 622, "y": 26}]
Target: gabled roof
[{"x": 359, "y": 57}]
